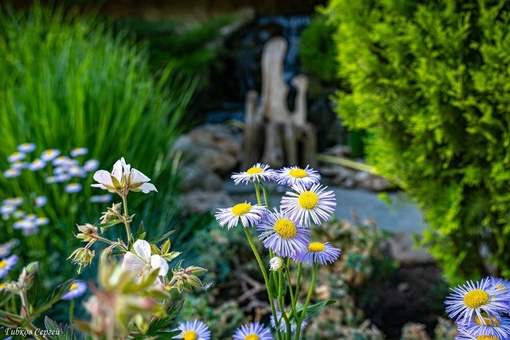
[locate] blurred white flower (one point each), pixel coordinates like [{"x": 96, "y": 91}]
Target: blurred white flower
[{"x": 142, "y": 262}]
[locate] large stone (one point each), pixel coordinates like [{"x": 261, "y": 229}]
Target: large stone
[
  {"x": 201, "y": 201},
  {"x": 208, "y": 152},
  {"x": 404, "y": 250}
]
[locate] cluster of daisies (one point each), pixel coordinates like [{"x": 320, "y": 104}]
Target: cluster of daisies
[
  {"x": 286, "y": 231},
  {"x": 28, "y": 223},
  {"x": 198, "y": 330},
  {"x": 60, "y": 168},
  {"x": 481, "y": 309}
]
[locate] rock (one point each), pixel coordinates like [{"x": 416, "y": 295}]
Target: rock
[
  {"x": 201, "y": 201},
  {"x": 208, "y": 152},
  {"x": 404, "y": 250}
]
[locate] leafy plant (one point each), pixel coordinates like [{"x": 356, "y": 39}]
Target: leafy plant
[
  {"x": 429, "y": 82},
  {"x": 68, "y": 81}
]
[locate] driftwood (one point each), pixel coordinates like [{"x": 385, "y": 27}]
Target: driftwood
[{"x": 273, "y": 134}]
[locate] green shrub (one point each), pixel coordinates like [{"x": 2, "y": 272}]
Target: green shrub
[
  {"x": 430, "y": 84},
  {"x": 317, "y": 50},
  {"x": 67, "y": 81}
]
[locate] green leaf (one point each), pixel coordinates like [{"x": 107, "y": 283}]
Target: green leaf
[
  {"x": 315, "y": 309},
  {"x": 56, "y": 331},
  {"x": 54, "y": 297},
  {"x": 162, "y": 237}
]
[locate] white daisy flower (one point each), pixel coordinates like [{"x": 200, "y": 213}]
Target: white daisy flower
[
  {"x": 101, "y": 198},
  {"x": 296, "y": 175},
  {"x": 248, "y": 214},
  {"x": 37, "y": 164},
  {"x": 26, "y": 147},
  {"x": 253, "y": 331},
  {"x": 482, "y": 299},
  {"x": 16, "y": 156},
  {"x": 142, "y": 262},
  {"x": 123, "y": 179},
  {"x": 49, "y": 155},
  {"x": 79, "y": 152},
  {"x": 309, "y": 203},
  {"x": 257, "y": 173},
  {"x": 11, "y": 173},
  {"x": 19, "y": 165},
  {"x": 72, "y": 188},
  {"x": 194, "y": 330},
  {"x": 91, "y": 165},
  {"x": 40, "y": 201},
  {"x": 60, "y": 161}
]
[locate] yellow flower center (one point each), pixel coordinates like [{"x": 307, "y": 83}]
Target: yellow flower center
[
  {"x": 3, "y": 250},
  {"x": 3, "y": 263},
  {"x": 190, "y": 335},
  {"x": 73, "y": 287},
  {"x": 3, "y": 285},
  {"x": 476, "y": 298},
  {"x": 285, "y": 228},
  {"x": 487, "y": 337},
  {"x": 315, "y": 247},
  {"x": 297, "y": 173},
  {"x": 308, "y": 200},
  {"x": 241, "y": 209},
  {"x": 251, "y": 336},
  {"x": 253, "y": 171},
  {"x": 487, "y": 320}
]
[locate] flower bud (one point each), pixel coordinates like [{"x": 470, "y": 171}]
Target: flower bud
[
  {"x": 195, "y": 270},
  {"x": 276, "y": 263},
  {"x": 88, "y": 233}
]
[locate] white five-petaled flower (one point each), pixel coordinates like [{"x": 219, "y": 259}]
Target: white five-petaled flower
[
  {"x": 142, "y": 262},
  {"x": 122, "y": 179}
]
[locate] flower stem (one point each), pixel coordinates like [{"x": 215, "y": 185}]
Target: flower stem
[
  {"x": 71, "y": 312},
  {"x": 257, "y": 193},
  {"x": 308, "y": 298},
  {"x": 126, "y": 216},
  {"x": 264, "y": 274}
]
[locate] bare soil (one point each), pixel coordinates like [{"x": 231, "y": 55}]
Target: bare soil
[{"x": 412, "y": 294}]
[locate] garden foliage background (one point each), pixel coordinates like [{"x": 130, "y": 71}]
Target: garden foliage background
[
  {"x": 69, "y": 81},
  {"x": 429, "y": 82}
]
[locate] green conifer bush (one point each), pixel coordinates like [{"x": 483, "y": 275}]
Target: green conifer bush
[{"x": 430, "y": 83}]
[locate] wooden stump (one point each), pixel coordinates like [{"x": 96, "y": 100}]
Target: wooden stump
[{"x": 273, "y": 134}]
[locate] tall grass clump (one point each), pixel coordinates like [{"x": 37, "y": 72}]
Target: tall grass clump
[
  {"x": 68, "y": 81},
  {"x": 429, "y": 81}
]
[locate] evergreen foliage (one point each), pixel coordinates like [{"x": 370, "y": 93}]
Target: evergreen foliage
[{"x": 430, "y": 83}]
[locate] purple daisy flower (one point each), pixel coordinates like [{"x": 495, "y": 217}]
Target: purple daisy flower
[
  {"x": 305, "y": 204},
  {"x": 483, "y": 299},
  {"x": 253, "y": 330},
  {"x": 282, "y": 235},
  {"x": 295, "y": 175},
  {"x": 7, "y": 264},
  {"x": 77, "y": 289},
  {"x": 248, "y": 214},
  {"x": 196, "y": 330},
  {"x": 257, "y": 173},
  {"x": 318, "y": 252}
]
